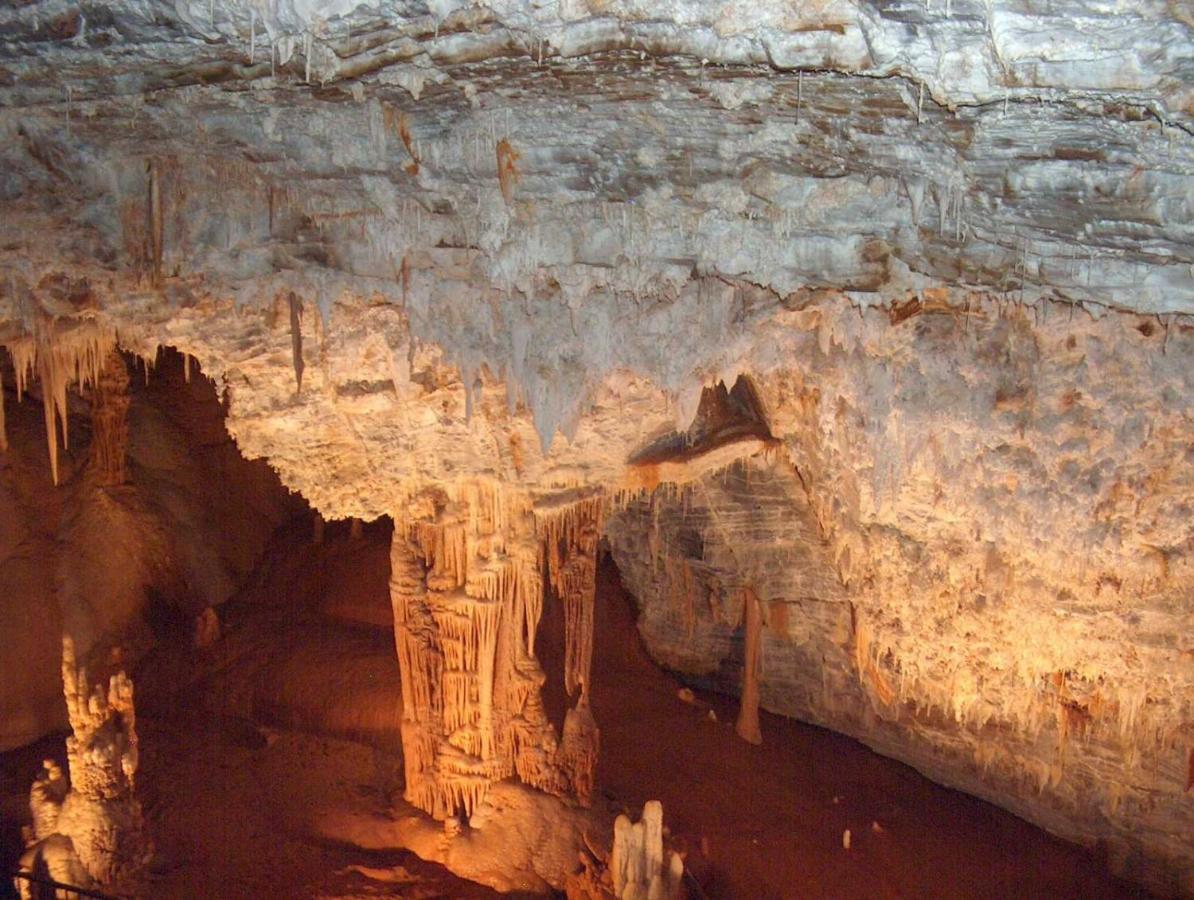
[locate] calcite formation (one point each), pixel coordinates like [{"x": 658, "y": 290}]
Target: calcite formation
[
  {"x": 62, "y": 357},
  {"x": 974, "y": 555},
  {"x": 109, "y": 421},
  {"x": 466, "y": 264},
  {"x": 637, "y": 865},
  {"x": 467, "y": 597},
  {"x": 92, "y": 833},
  {"x": 747, "y": 725}
]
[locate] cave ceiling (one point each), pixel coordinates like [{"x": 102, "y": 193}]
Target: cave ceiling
[{"x": 575, "y": 203}]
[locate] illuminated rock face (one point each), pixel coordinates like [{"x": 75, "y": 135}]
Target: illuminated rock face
[
  {"x": 467, "y": 596},
  {"x": 975, "y": 556},
  {"x": 437, "y": 254}
]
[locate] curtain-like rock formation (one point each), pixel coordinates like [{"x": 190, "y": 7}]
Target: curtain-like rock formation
[{"x": 467, "y": 596}]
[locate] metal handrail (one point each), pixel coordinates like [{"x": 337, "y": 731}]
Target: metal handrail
[{"x": 69, "y": 890}]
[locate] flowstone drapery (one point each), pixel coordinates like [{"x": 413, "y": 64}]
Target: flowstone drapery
[{"x": 467, "y": 595}]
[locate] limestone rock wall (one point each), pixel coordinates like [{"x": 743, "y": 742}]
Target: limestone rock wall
[{"x": 975, "y": 554}]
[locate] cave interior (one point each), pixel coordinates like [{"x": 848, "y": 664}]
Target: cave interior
[{"x": 596, "y": 448}]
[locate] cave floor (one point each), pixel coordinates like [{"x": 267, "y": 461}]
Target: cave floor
[
  {"x": 229, "y": 808},
  {"x": 230, "y": 802},
  {"x": 767, "y": 821}
]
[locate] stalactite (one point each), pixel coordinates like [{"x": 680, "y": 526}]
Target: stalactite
[
  {"x": 61, "y": 357},
  {"x": 109, "y": 418},
  {"x": 869, "y": 674},
  {"x": 748, "y": 714},
  {"x": 578, "y": 751},
  {"x": 296, "y": 340},
  {"x": 3, "y": 424},
  {"x": 507, "y": 169},
  {"x": 156, "y": 233}
]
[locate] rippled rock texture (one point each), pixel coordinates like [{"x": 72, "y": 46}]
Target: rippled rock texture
[{"x": 975, "y": 556}]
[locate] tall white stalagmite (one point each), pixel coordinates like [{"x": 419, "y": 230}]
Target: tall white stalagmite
[{"x": 637, "y": 865}]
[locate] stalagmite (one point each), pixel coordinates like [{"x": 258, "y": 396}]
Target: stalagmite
[
  {"x": 50, "y": 788},
  {"x": 636, "y": 863},
  {"x": 93, "y": 833},
  {"x": 3, "y": 425},
  {"x": 748, "y": 714}
]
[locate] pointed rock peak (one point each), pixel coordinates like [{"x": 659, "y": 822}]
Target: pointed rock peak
[{"x": 723, "y": 417}]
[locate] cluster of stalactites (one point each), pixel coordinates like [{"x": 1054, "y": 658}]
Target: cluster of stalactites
[
  {"x": 59, "y": 358},
  {"x": 468, "y": 596}
]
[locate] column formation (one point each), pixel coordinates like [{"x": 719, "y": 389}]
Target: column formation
[
  {"x": 570, "y": 534},
  {"x": 467, "y": 594},
  {"x": 95, "y": 831}
]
